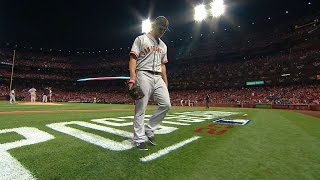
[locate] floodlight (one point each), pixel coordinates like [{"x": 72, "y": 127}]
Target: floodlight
[
  {"x": 146, "y": 26},
  {"x": 217, "y": 8},
  {"x": 200, "y": 13}
]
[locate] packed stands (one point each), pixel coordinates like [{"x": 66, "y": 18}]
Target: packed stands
[{"x": 286, "y": 60}]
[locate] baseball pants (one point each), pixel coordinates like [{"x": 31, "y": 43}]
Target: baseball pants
[
  {"x": 151, "y": 84},
  {"x": 12, "y": 99},
  {"x": 44, "y": 98},
  {"x": 33, "y": 98}
]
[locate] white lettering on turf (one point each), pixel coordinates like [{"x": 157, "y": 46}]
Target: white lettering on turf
[
  {"x": 175, "y": 123},
  {"x": 92, "y": 138},
  {"x": 116, "y": 124},
  {"x": 164, "y": 129},
  {"x": 170, "y": 116},
  {"x": 169, "y": 149},
  {"x": 160, "y": 130},
  {"x": 12, "y": 168},
  {"x": 191, "y": 120}
]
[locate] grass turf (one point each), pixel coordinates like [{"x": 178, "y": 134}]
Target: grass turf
[{"x": 275, "y": 145}]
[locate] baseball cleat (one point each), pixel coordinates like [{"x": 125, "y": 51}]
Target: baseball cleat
[
  {"x": 152, "y": 140},
  {"x": 141, "y": 146}
]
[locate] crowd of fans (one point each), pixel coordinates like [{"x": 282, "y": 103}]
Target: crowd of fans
[
  {"x": 297, "y": 94},
  {"x": 300, "y": 94},
  {"x": 299, "y": 66},
  {"x": 218, "y": 66},
  {"x": 36, "y": 59}
]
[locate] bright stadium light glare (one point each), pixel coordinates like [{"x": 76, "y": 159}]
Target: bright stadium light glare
[
  {"x": 146, "y": 26},
  {"x": 200, "y": 13},
  {"x": 217, "y": 8},
  {"x": 284, "y": 75}
]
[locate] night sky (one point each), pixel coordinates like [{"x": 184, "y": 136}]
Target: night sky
[{"x": 86, "y": 24}]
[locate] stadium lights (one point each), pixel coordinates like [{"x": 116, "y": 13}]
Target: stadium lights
[
  {"x": 200, "y": 13},
  {"x": 283, "y": 75},
  {"x": 217, "y": 8},
  {"x": 146, "y": 26}
]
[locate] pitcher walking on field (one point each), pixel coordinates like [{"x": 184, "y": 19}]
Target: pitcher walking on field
[{"x": 147, "y": 65}]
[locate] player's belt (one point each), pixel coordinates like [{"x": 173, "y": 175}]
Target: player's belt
[{"x": 153, "y": 72}]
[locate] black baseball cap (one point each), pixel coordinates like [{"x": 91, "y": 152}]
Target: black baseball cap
[{"x": 162, "y": 22}]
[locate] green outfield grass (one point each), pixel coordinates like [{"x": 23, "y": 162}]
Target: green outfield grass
[{"x": 276, "y": 144}]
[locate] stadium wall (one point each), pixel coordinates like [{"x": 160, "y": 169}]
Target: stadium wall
[{"x": 313, "y": 107}]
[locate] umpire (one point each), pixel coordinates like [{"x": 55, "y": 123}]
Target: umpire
[{"x": 45, "y": 95}]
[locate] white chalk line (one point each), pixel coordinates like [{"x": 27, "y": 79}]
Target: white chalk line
[{"x": 169, "y": 149}]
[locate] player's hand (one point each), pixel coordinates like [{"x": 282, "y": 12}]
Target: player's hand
[{"x": 130, "y": 84}]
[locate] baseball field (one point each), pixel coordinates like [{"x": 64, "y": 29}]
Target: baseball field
[{"x": 92, "y": 141}]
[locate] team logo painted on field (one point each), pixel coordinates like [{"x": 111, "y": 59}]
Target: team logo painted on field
[
  {"x": 221, "y": 126},
  {"x": 13, "y": 169},
  {"x": 214, "y": 129}
]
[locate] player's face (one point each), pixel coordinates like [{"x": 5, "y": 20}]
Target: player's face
[{"x": 160, "y": 31}]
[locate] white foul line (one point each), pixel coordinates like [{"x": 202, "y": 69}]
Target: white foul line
[{"x": 167, "y": 150}]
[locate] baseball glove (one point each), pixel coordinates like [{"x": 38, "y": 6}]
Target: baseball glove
[{"x": 135, "y": 92}]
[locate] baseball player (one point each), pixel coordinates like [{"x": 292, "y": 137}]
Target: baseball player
[
  {"x": 12, "y": 96},
  {"x": 207, "y": 101},
  {"x": 147, "y": 65},
  {"x": 45, "y": 95},
  {"x": 32, "y": 92},
  {"x": 181, "y": 102},
  {"x": 50, "y": 94}
]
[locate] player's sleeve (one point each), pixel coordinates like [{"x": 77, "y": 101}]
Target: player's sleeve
[
  {"x": 164, "y": 59},
  {"x": 135, "y": 49}
]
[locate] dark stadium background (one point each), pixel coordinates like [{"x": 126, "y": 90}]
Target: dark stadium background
[
  {"x": 59, "y": 42},
  {"x": 113, "y": 24}
]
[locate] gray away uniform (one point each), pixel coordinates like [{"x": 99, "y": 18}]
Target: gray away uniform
[{"x": 149, "y": 55}]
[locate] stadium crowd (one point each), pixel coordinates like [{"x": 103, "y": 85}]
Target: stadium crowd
[
  {"x": 301, "y": 94},
  {"x": 297, "y": 94},
  {"x": 219, "y": 66}
]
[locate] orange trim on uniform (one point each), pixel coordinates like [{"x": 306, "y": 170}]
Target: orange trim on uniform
[{"x": 132, "y": 52}]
